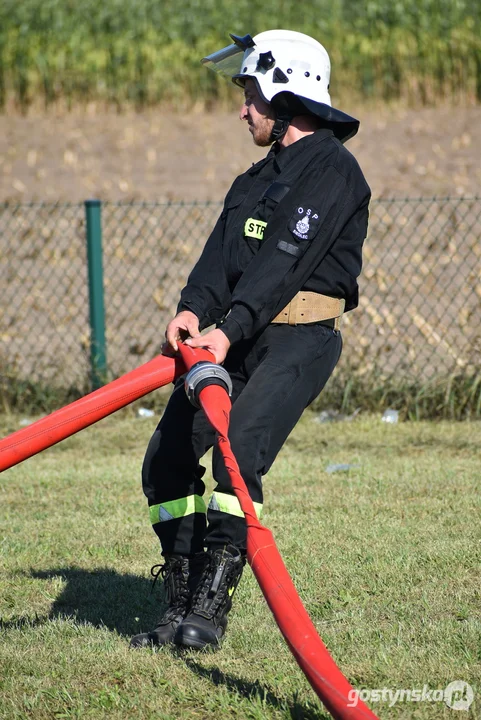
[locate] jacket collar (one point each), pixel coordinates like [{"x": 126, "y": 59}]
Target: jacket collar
[
  {"x": 283, "y": 156},
  {"x": 257, "y": 167}
]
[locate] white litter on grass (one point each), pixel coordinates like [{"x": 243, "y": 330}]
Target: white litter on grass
[
  {"x": 28, "y": 421},
  {"x": 390, "y": 416},
  {"x": 145, "y": 413},
  {"x": 326, "y": 416},
  {"x": 340, "y": 467}
]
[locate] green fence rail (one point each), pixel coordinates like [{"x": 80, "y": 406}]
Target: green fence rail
[{"x": 63, "y": 316}]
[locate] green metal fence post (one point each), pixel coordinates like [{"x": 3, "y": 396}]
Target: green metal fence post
[{"x": 98, "y": 350}]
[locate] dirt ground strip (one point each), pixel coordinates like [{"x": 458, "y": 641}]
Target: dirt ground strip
[{"x": 158, "y": 155}]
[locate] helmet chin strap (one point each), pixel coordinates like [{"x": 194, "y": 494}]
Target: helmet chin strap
[
  {"x": 284, "y": 115},
  {"x": 281, "y": 126}
]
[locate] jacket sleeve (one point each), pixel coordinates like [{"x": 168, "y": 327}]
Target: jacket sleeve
[
  {"x": 287, "y": 259},
  {"x": 207, "y": 292}
]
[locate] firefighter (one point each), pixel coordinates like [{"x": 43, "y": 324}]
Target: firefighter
[{"x": 274, "y": 279}]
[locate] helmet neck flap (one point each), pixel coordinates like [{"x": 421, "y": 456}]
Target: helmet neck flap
[{"x": 287, "y": 106}]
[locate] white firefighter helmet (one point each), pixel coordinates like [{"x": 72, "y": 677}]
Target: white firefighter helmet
[{"x": 292, "y": 72}]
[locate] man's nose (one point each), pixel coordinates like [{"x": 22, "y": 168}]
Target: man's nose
[{"x": 243, "y": 112}]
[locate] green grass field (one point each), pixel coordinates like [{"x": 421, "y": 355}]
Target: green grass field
[{"x": 385, "y": 556}]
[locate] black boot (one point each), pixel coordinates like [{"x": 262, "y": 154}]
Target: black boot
[
  {"x": 180, "y": 575},
  {"x": 205, "y": 624}
]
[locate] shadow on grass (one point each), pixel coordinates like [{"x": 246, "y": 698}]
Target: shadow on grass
[
  {"x": 257, "y": 691},
  {"x": 23, "y": 622},
  {"x": 103, "y": 598}
]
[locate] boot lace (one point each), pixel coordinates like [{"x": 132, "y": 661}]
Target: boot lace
[{"x": 175, "y": 576}]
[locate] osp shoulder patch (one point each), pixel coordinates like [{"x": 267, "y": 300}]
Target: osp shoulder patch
[{"x": 304, "y": 223}]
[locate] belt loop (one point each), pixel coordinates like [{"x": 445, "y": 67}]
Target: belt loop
[
  {"x": 293, "y": 306},
  {"x": 338, "y": 319}
]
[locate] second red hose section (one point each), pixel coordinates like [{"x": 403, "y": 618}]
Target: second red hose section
[{"x": 311, "y": 654}]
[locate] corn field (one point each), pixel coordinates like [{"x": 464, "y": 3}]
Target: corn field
[{"x": 142, "y": 52}]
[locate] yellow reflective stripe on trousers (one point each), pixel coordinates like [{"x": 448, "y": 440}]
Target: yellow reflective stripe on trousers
[
  {"x": 176, "y": 508},
  {"x": 230, "y": 504}
]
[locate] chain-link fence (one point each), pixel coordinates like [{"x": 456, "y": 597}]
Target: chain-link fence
[{"x": 419, "y": 314}]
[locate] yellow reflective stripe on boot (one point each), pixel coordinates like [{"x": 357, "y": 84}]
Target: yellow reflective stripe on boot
[
  {"x": 230, "y": 504},
  {"x": 173, "y": 509}
]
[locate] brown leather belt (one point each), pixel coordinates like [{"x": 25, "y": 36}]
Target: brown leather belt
[{"x": 311, "y": 307}]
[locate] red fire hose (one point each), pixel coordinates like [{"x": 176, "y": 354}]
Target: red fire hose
[
  {"x": 328, "y": 682},
  {"x": 265, "y": 560},
  {"x": 88, "y": 410}
]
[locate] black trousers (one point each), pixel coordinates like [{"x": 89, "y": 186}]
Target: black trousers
[{"x": 275, "y": 377}]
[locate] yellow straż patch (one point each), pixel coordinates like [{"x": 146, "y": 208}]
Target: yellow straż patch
[{"x": 254, "y": 228}]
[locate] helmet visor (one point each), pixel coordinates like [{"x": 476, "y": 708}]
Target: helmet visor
[{"x": 226, "y": 62}]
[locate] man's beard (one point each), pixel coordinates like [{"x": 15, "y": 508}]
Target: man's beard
[{"x": 261, "y": 133}]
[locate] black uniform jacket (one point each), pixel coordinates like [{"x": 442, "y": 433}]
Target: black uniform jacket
[{"x": 294, "y": 221}]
